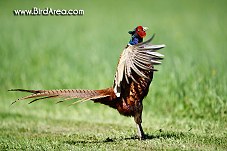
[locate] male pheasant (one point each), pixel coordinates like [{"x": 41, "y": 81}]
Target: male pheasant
[{"x": 131, "y": 84}]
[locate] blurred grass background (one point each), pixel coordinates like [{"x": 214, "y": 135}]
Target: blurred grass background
[{"x": 50, "y": 52}]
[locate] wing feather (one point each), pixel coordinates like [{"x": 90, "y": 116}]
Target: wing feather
[{"x": 139, "y": 58}]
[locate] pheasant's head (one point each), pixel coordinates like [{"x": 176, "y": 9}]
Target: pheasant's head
[{"x": 140, "y": 31}]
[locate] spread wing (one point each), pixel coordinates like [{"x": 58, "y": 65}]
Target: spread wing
[{"x": 137, "y": 58}]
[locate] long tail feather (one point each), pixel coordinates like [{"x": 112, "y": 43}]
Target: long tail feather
[
  {"x": 87, "y": 99},
  {"x": 31, "y": 91},
  {"x": 47, "y": 97},
  {"x": 66, "y": 94}
]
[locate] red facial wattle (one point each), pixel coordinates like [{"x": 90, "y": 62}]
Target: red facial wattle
[{"x": 140, "y": 31}]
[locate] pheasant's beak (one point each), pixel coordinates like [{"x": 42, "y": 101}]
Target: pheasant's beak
[{"x": 145, "y": 28}]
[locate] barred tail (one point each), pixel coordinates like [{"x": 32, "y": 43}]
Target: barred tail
[{"x": 65, "y": 94}]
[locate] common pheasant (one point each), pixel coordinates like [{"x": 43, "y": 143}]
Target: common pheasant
[{"x": 131, "y": 83}]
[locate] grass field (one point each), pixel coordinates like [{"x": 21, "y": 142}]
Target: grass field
[{"x": 186, "y": 108}]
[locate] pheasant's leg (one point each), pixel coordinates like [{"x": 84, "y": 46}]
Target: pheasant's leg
[
  {"x": 138, "y": 120},
  {"x": 140, "y": 131}
]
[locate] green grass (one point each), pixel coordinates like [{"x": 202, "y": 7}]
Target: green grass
[{"x": 186, "y": 108}]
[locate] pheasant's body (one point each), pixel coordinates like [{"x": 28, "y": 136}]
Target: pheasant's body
[
  {"x": 131, "y": 84},
  {"x": 133, "y": 95},
  {"x": 131, "y": 98}
]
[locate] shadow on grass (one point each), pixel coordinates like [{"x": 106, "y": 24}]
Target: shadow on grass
[{"x": 161, "y": 135}]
